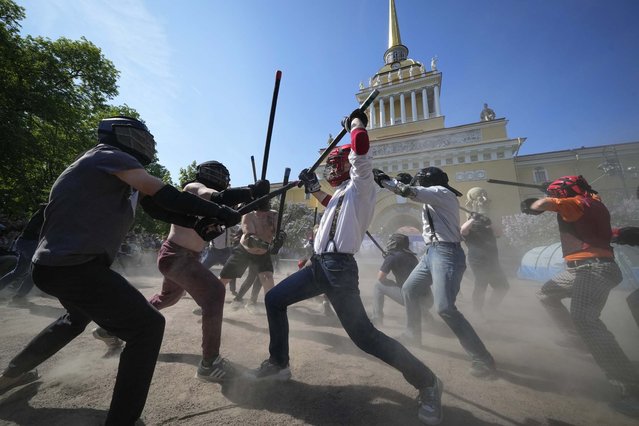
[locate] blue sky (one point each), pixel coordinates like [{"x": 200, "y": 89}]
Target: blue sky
[{"x": 565, "y": 73}]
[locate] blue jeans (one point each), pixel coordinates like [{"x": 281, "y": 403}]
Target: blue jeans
[
  {"x": 442, "y": 268},
  {"x": 380, "y": 291},
  {"x": 336, "y": 275},
  {"x": 21, "y": 274}
]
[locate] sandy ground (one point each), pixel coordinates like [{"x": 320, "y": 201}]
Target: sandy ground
[{"x": 540, "y": 382}]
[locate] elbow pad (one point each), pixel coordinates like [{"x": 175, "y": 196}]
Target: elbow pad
[
  {"x": 232, "y": 196},
  {"x": 169, "y": 198},
  {"x": 159, "y": 213},
  {"x": 359, "y": 141}
]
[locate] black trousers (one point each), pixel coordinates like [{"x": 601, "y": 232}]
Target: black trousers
[{"x": 93, "y": 292}]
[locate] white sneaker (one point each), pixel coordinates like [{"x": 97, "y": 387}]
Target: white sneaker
[{"x": 236, "y": 305}]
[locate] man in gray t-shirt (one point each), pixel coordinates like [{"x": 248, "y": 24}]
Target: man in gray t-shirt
[{"x": 91, "y": 207}]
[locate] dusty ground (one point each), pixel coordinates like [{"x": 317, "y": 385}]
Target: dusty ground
[{"x": 540, "y": 382}]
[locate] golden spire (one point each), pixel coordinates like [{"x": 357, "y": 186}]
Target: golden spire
[{"x": 394, "y": 38}]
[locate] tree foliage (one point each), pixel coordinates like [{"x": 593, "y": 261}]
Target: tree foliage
[
  {"x": 297, "y": 222},
  {"x": 187, "y": 174},
  {"x": 53, "y": 93}
]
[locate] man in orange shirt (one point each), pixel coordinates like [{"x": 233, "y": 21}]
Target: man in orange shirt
[{"x": 585, "y": 233}]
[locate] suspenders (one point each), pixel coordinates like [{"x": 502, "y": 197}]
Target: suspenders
[
  {"x": 331, "y": 234},
  {"x": 430, "y": 223}
]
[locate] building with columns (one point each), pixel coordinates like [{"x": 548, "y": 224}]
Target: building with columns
[{"x": 408, "y": 132}]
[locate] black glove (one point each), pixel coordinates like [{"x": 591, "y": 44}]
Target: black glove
[
  {"x": 228, "y": 216},
  {"x": 310, "y": 181},
  {"x": 260, "y": 188},
  {"x": 278, "y": 242},
  {"x": 357, "y": 113},
  {"x": 380, "y": 177},
  {"x": 404, "y": 178},
  {"x": 628, "y": 235},
  {"x": 525, "y": 206},
  {"x": 479, "y": 218},
  {"x": 208, "y": 228}
]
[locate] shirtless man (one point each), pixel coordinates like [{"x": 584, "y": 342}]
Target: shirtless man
[
  {"x": 258, "y": 238},
  {"x": 179, "y": 262}
]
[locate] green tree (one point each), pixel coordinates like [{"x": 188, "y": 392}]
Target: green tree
[
  {"x": 187, "y": 174},
  {"x": 297, "y": 222},
  {"x": 53, "y": 93}
]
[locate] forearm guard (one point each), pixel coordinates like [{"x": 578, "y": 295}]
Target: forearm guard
[
  {"x": 399, "y": 188},
  {"x": 159, "y": 213},
  {"x": 169, "y": 198},
  {"x": 232, "y": 196}
]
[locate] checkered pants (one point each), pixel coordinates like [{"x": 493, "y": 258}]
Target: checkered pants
[{"x": 589, "y": 286}]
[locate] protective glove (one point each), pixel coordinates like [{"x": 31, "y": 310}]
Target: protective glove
[
  {"x": 260, "y": 188},
  {"x": 278, "y": 242},
  {"x": 404, "y": 178},
  {"x": 310, "y": 181},
  {"x": 379, "y": 177},
  {"x": 628, "y": 235},
  {"x": 479, "y": 218},
  {"x": 228, "y": 216},
  {"x": 208, "y": 228},
  {"x": 525, "y": 206},
  {"x": 357, "y": 113}
]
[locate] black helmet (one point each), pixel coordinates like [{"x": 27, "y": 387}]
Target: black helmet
[
  {"x": 397, "y": 242},
  {"x": 130, "y": 135},
  {"x": 213, "y": 174},
  {"x": 433, "y": 176}
]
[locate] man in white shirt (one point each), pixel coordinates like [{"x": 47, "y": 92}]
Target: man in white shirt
[
  {"x": 442, "y": 266},
  {"x": 333, "y": 271}
]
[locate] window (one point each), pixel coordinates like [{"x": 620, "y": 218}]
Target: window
[
  {"x": 486, "y": 156},
  {"x": 500, "y": 154},
  {"x": 461, "y": 159},
  {"x": 449, "y": 161},
  {"x": 540, "y": 175},
  {"x": 415, "y": 165},
  {"x": 438, "y": 162},
  {"x": 473, "y": 157}
]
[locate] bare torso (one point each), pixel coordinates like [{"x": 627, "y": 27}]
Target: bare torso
[
  {"x": 187, "y": 237},
  {"x": 262, "y": 224}
]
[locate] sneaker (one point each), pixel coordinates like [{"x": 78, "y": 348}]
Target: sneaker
[
  {"x": 409, "y": 339},
  {"x": 236, "y": 305},
  {"x": 377, "y": 321},
  {"x": 483, "y": 370},
  {"x": 8, "y": 383},
  {"x": 430, "y": 404},
  {"x": 111, "y": 341},
  {"x": 628, "y": 405},
  {"x": 270, "y": 371},
  {"x": 253, "y": 308},
  {"x": 197, "y": 311},
  {"x": 219, "y": 371}
]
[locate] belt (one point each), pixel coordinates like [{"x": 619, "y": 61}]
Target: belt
[{"x": 590, "y": 261}]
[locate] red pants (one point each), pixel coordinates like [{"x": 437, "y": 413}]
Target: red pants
[{"x": 182, "y": 272}]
